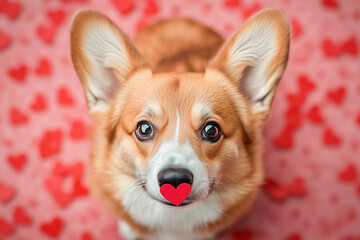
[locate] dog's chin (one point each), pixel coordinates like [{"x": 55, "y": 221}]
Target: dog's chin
[{"x": 185, "y": 203}]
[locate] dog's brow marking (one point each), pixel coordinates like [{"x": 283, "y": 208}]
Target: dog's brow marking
[{"x": 153, "y": 109}]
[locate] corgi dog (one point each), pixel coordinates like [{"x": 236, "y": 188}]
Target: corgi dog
[{"x": 178, "y": 106}]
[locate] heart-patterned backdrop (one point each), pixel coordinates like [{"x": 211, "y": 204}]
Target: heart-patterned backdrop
[{"x": 312, "y": 189}]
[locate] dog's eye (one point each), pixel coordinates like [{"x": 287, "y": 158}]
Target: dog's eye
[
  {"x": 144, "y": 131},
  {"x": 211, "y": 132}
]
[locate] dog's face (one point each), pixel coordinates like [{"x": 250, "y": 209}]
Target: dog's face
[{"x": 199, "y": 128}]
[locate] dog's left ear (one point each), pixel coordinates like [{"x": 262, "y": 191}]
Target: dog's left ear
[
  {"x": 255, "y": 57},
  {"x": 103, "y": 57}
]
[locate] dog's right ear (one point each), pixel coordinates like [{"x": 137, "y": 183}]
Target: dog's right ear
[{"x": 103, "y": 57}]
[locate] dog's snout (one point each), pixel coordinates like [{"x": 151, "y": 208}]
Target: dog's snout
[{"x": 175, "y": 176}]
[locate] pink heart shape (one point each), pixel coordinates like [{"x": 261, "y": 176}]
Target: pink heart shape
[{"x": 175, "y": 196}]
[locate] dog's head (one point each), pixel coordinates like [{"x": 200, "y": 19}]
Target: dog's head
[{"x": 199, "y": 128}]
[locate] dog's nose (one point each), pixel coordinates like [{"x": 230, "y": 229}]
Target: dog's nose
[{"x": 175, "y": 176}]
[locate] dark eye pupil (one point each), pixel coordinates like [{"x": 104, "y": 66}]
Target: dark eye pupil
[
  {"x": 145, "y": 129},
  {"x": 210, "y": 130}
]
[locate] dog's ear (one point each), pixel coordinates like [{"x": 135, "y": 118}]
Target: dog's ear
[
  {"x": 103, "y": 57},
  {"x": 255, "y": 57}
]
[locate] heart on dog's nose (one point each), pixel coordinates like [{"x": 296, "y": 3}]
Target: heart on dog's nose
[{"x": 175, "y": 195}]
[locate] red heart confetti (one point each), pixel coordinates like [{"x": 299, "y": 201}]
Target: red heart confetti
[
  {"x": 305, "y": 84},
  {"x": 296, "y": 100},
  {"x": 231, "y": 3},
  {"x": 43, "y": 68},
  {"x": 330, "y": 138},
  {"x": 175, "y": 196},
  {"x": 6, "y": 192},
  {"x": 10, "y": 9},
  {"x": 294, "y": 236},
  {"x": 349, "y": 174},
  {"x": 78, "y": 130},
  {"x": 330, "y": 49},
  {"x": 284, "y": 139},
  {"x": 6, "y": 228},
  {"x": 314, "y": 114},
  {"x": 5, "y": 40},
  {"x": 350, "y": 46},
  {"x": 39, "y": 104},
  {"x": 275, "y": 190},
  {"x": 296, "y": 28},
  {"x": 18, "y": 73},
  {"x": 124, "y": 6},
  {"x": 17, "y": 161},
  {"x": 250, "y": 10},
  {"x": 52, "y": 228},
  {"x": 54, "y": 185},
  {"x": 293, "y": 117},
  {"x": 64, "y": 97},
  {"x": 151, "y": 8},
  {"x": 56, "y": 16},
  {"x": 297, "y": 187},
  {"x": 17, "y": 117},
  {"x": 337, "y": 95},
  {"x": 21, "y": 217},
  {"x": 330, "y": 3},
  {"x": 87, "y": 236},
  {"x": 50, "y": 143},
  {"x": 245, "y": 234},
  {"x": 79, "y": 189},
  {"x": 46, "y": 33}
]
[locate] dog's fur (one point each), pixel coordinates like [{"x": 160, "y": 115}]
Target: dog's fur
[{"x": 183, "y": 78}]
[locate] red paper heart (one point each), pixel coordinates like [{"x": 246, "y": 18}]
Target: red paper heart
[
  {"x": 43, "y": 68},
  {"x": 64, "y": 97},
  {"x": 87, "y": 236},
  {"x": 251, "y": 10},
  {"x": 297, "y": 187},
  {"x": 350, "y": 46},
  {"x": 349, "y": 174},
  {"x": 337, "y": 95},
  {"x": 46, "y": 33},
  {"x": 296, "y": 100},
  {"x": 21, "y": 217},
  {"x": 6, "y": 228},
  {"x": 39, "y": 103},
  {"x": 54, "y": 185},
  {"x": 78, "y": 130},
  {"x": 18, "y": 73},
  {"x": 17, "y": 161},
  {"x": 330, "y": 49},
  {"x": 245, "y": 234},
  {"x": 330, "y": 138},
  {"x": 50, "y": 143},
  {"x": 17, "y": 117},
  {"x": 6, "y": 192},
  {"x": 305, "y": 84},
  {"x": 330, "y": 3},
  {"x": 231, "y": 3},
  {"x": 314, "y": 114},
  {"x": 56, "y": 16},
  {"x": 52, "y": 228},
  {"x": 79, "y": 189},
  {"x": 11, "y": 9},
  {"x": 293, "y": 118},
  {"x": 124, "y": 6},
  {"x": 151, "y": 8},
  {"x": 294, "y": 236},
  {"x": 5, "y": 40},
  {"x": 275, "y": 190},
  {"x": 175, "y": 196},
  {"x": 284, "y": 139},
  {"x": 296, "y": 28},
  {"x": 76, "y": 170}
]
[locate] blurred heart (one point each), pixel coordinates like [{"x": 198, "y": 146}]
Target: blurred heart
[
  {"x": 11, "y": 9},
  {"x": 6, "y": 192},
  {"x": 50, "y": 143},
  {"x": 6, "y": 228},
  {"x": 124, "y": 6},
  {"x": 18, "y": 73},
  {"x": 43, "y": 68},
  {"x": 330, "y": 138},
  {"x": 46, "y": 33},
  {"x": 175, "y": 196},
  {"x": 52, "y": 228},
  {"x": 314, "y": 114},
  {"x": 349, "y": 174},
  {"x": 17, "y": 161},
  {"x": 284, "y": 139},
  {"x": 64, "y": 97},
  {"x": 21, "y": 217},
  {"x": 337, "y": 95},
  {"x": 17, "y": 117},
  {"x": 56, "y": 16},
  {"x": 39, "y": 103},
  {"x": 5, "y": 40}
]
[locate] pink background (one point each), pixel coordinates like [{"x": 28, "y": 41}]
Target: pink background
[{"x": 312, "y": 136}]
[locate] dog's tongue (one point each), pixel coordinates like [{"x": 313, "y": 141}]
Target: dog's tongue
[{"x": 175, "y": 196}]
